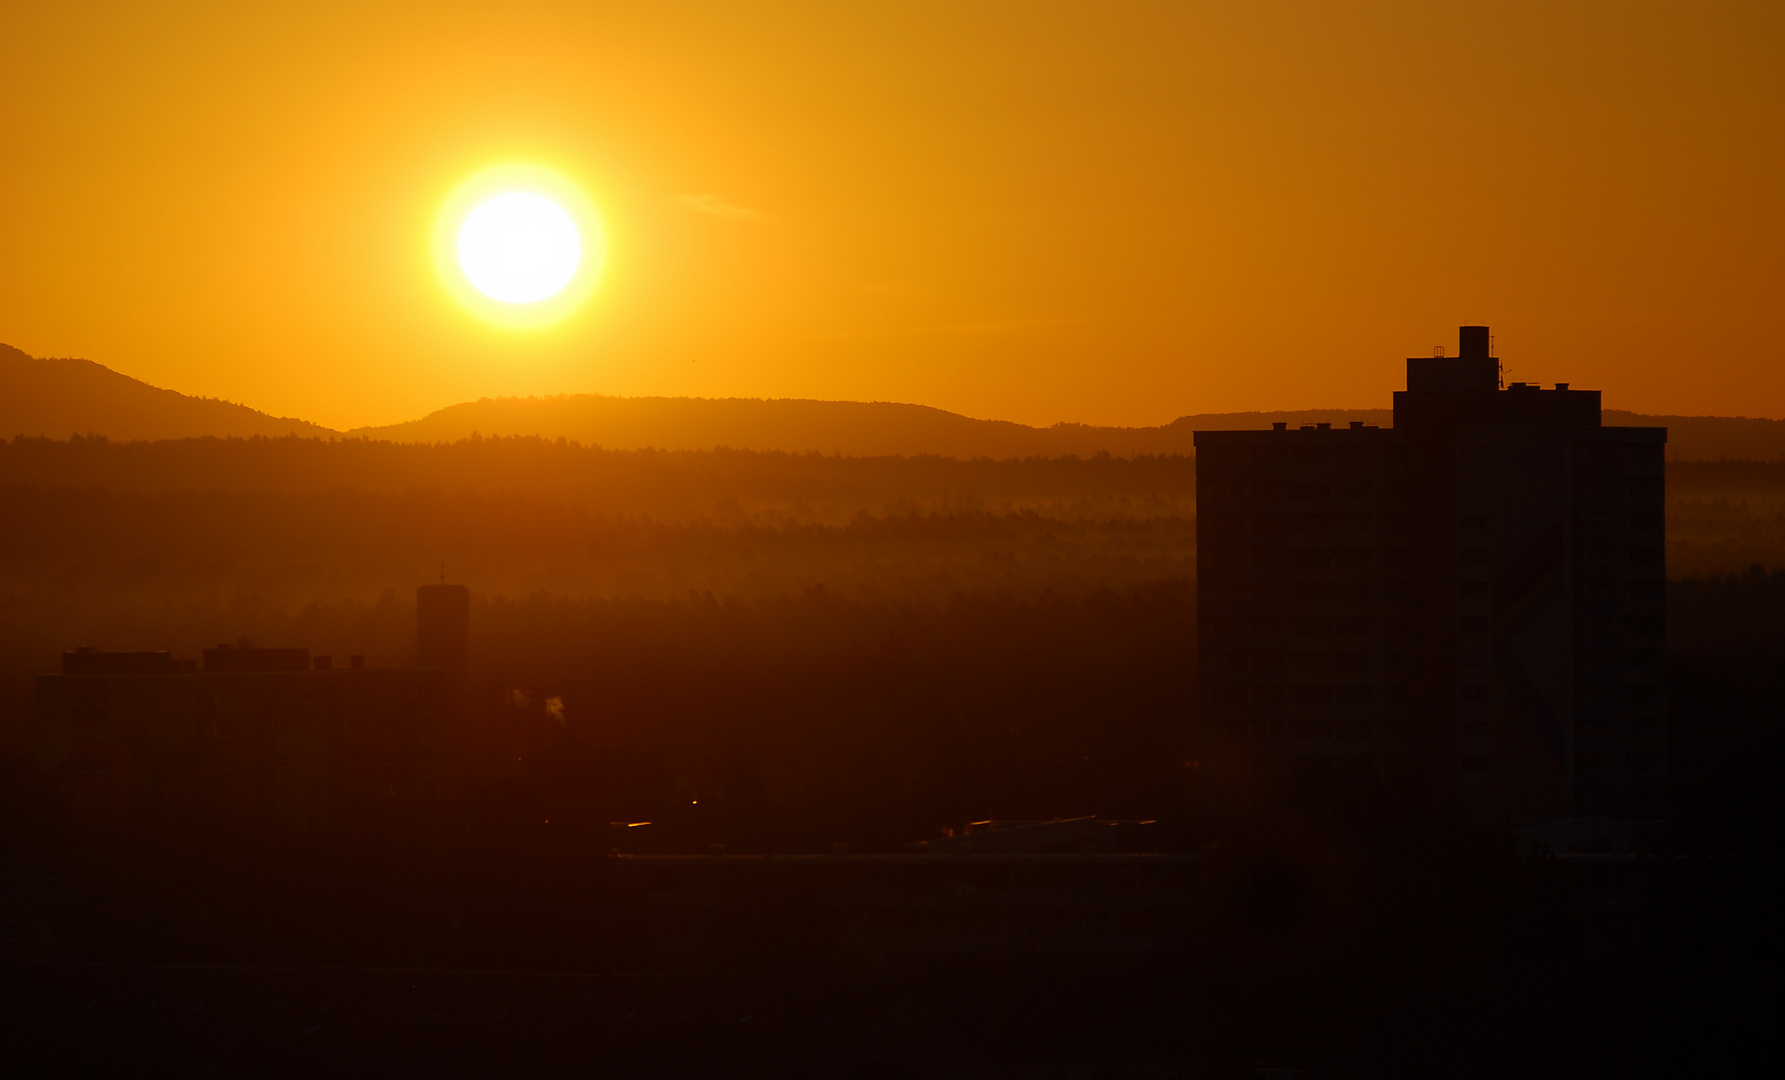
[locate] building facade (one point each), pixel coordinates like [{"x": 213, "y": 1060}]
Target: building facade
[
  {"x": 272, "y": 733},
  {"x": 1474, "y": 597}
]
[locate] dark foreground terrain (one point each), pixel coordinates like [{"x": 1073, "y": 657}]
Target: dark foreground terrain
[{"x": 812, "y": 663}]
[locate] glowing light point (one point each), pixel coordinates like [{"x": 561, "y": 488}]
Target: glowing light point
[{"x": 519, "y": 248}]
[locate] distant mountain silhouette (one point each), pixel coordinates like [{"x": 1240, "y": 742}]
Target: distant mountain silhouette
[
  {"x": 59, "y": 398},
  {"x": 843, "y": 427},
  {"x": 869, "y": 428}
]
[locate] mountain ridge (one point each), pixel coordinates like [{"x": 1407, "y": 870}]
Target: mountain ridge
[
  {"x": 63, "y": 397},
  {"x": 56, "y": 398},
  {"x": 804, "y": 425}
]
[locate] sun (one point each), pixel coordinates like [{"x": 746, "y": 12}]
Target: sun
[
  {"x": 519, "y": 248},
  {"x": 519, "y": 245}
]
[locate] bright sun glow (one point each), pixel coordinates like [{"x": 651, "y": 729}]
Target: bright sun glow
[{"x": 519, "y": 248}]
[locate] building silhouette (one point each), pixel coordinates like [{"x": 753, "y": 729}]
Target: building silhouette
[
  {"x": 1474, "y": 597},
  {"x": 274, "y": 732},
  {"x": 443, "y": 627}
]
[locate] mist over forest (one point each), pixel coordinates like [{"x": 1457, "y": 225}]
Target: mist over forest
[
  {"x": 180, "y": 544},
  {"x": 653, "y": 590},
  {"x": 783, "y": 652}
]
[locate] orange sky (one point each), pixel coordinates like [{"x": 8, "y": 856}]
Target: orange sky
[{"x": 1099, "y": 212}]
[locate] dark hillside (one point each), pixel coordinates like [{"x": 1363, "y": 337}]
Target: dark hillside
[
  {"x": 876, "y": 428},
  {"x": 59, "y": 398}
]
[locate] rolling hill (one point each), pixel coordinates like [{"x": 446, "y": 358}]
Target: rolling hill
[
  {"x": 851, "y": 428},
  {"x": 59, "y": 398}
]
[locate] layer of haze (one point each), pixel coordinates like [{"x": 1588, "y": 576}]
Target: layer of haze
[{"x": 1114, "y": 213}]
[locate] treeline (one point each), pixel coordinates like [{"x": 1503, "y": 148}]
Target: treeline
[
  {"x": 665, "y": 485},
  {"x": 182, "y": 569},
  {"x": 1724, "y": 516}
]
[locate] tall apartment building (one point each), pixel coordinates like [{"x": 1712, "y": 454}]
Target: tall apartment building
[{"x": 1475, "y": 597}]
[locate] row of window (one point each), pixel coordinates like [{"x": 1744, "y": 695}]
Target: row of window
[
  {"x": 1271, "y": 491},
  {"x": 1218, "y": 525},
  {"x": 1610, "y": 456},
  {"x": 1639, "y": 763},
  {"x": 1218, "y": 556},
  {"x": 1588, "y": 556},
  {"x": 1220, "y": 457},
  {"x": 1591, "y": 523},
  {"x": 1306, "y": 592},
  {"x": 1600, "y": 699},
  {"x": 1300, "y": 660},
  {"x": 1652, "y": 660},
  {"x": 1355, "y": 730},
  {"x": 1271, "y": 700},
  {"x": 1610, "y": 491},
  {"x": 1271, "y": 628}
]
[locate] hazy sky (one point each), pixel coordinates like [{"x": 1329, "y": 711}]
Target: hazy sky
[{"x": 1100, "y": 212}]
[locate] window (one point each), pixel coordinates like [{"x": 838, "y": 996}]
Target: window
[
  {"x": 1311, "y": 557},
  {"x": 1644, "y": 659},
  {"x": 1313, "y": 696}
]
